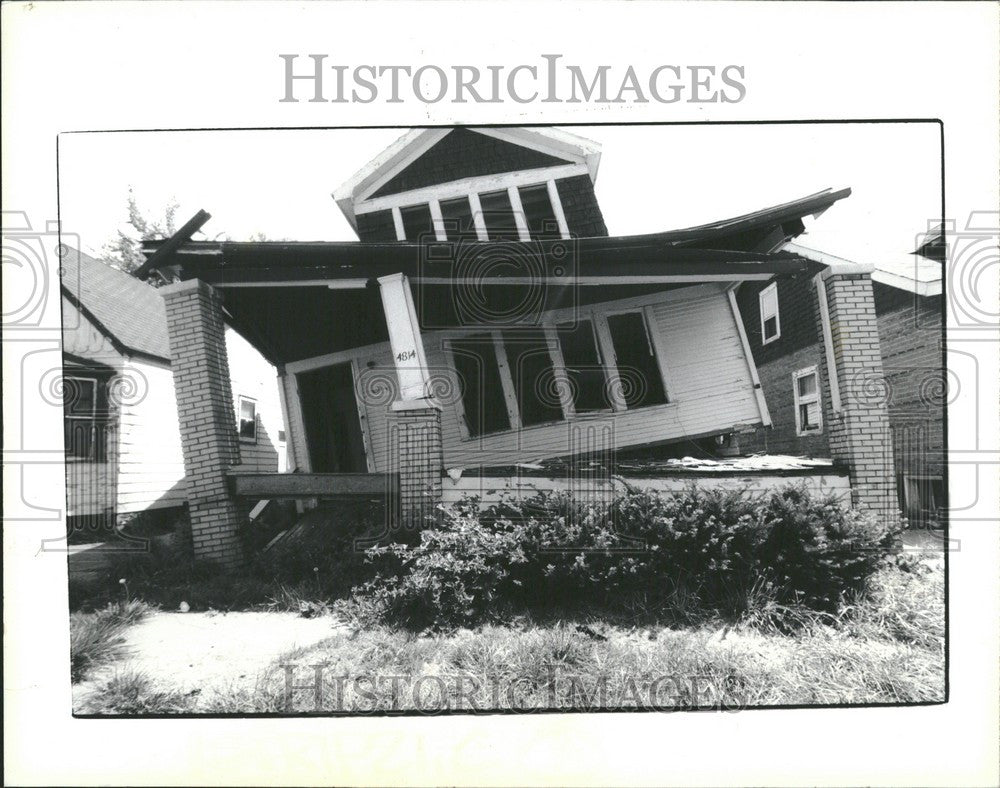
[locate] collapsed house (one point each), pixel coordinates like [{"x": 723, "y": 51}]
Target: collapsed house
[{"x": 485, "y": 323}]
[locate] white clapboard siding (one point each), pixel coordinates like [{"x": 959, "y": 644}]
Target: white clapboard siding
[
  {"x": 252, "y": 376},
  {"x": 492, "y": 489},
  {"x": 150, "y": 460},
  {"x": 708, "y": 384}
]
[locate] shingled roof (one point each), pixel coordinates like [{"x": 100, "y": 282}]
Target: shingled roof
[{"x": 129, "y": 311}]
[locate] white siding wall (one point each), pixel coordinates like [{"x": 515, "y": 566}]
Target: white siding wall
[
  {"x": 252, "y": 376},
  {"x": 708, "y": 382},
  {"x": 150, "y": 460}
]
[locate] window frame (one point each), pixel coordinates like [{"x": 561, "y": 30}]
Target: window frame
[
  {"x": 91, "y": 419},
  {"x": 605, "y": 351},
  {"x": 808, "y": 399},
  {"x": 764, "y": 339},
  {"x": 240, "y": 399},
  {"x": 473, "y": 192}
]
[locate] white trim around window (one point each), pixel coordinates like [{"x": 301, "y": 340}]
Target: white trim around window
[
  {"x": 248, "y": 434},
  {"x": 767, "y": 301},
  {"x": 808, "y": 408}
]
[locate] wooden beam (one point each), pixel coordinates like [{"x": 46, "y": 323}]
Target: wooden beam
[
  {"x": 162, "y": 255},
  {"x": 312, "y": 485}
]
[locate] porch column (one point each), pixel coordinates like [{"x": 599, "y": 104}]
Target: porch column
[
  {"x": 856, "y": 390},
  {"x": 416, "y": 417},
  {"x": 207, "y": 421}
]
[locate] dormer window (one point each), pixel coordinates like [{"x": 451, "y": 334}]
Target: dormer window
[
  {"x": 498, "y": 216},
  {"x": 536, "y": 203},
  {"x": 417, "y": 222}
]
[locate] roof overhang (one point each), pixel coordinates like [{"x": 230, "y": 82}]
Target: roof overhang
[
  {"x": 586, "y": 262},
  {"x": 910, "y": 273}
]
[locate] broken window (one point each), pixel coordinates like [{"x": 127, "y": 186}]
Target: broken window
[
  {"x": 584, "y": 369},
  {"x": 808, "y": 414},
  {"x": 538, "y": 212},
  {"x": 638, "y": 370},
  {"x": 417, "y": 222},
  {"x": 498, "y": 215},
  {"x": 534, "y": 377},
  {"x": 481, "y": 388},
  {"x": 457, "y": 216},
  {"x": 770, "y": 325},
  {"x": 248, "y": 420}
]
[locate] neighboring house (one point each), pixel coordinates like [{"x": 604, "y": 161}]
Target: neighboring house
[
  {"x": 784, "y": 325},
  {"x": 122, "y": 437},
  {"x": 485, "y": 318}
]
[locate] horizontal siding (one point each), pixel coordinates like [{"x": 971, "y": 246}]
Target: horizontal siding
[
  {"x": 252, "y": 376},
  {"x": 150, "y": 460},
  {"x": 708, "y": 383}
]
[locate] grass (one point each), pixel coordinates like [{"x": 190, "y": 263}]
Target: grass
[
  {"x": 887, "y": 648},
  {"x": 96, "y": 637}
]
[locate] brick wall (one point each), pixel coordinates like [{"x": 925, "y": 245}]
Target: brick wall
[
  {"x": 909, "y": 328},
  {"x": 860, "y": 435},
  {"x": 779, "y": 393},
  {"x": 466, "y": 154},
  {"x": 420, "y": 461},
  {"x": 207, "y": 420}
]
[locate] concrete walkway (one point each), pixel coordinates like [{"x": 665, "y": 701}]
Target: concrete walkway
[{"x": 194, "y": 651}]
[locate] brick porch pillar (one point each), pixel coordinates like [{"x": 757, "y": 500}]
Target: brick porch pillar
[
  {"x": 416, "y": 417},
  {"x": 421, "y": 462},
  {"x": 859, "y": 430},
  {"x": 207, "y": 420}
]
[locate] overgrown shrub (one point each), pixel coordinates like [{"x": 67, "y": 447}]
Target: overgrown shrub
[{"x": 727, "y": 551}]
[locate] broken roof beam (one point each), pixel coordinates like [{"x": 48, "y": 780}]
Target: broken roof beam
[{"x": 166, "y": 250}]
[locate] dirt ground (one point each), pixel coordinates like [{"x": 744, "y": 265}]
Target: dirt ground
[{"x": 191, "y": 651}]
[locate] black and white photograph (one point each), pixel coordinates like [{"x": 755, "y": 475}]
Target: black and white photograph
[
  {"x": 525, "y": 393},
  {"x": 481, "y": 419}
]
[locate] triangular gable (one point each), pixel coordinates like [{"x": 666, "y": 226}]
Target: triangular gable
[
  {"x": 417, "y": 156},
  {"x": 466, "y": 154}
]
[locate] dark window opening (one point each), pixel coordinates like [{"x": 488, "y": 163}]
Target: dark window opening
[
  {"x": 332, "y": 420},
  {"x": 457, "y": 216},
  {"x": 535, "y": 383},
  {"x": 770, "y": 327},
  {"x": 479, "y": 380},
  {"x": 417, "y": 223},
  {"x": 639, "y": 375},
  {"x": 538, "y": 213},
  {"x": 583, "y": 366},
  {"x": 86, "y": 422},
  {"x": 498, "y": 216}
]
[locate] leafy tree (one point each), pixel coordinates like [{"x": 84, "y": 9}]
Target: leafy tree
[{"x": 125, "y": 252}]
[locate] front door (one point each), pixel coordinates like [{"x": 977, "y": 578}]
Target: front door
[{"x": 332, "y": 423}]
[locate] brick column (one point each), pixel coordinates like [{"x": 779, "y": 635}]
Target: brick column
[
  {"x": 421, "y": 461},
  {"x": 860, "y": 434},
  {"x": 207, "y": 421}
]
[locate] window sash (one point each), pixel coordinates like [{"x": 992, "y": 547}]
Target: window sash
[
  {"x": 807, "y": 405},
  {"x": 247, "y": 434},
  {"x": 768, "y": 303},
  {"x": 605, "y": 362}
]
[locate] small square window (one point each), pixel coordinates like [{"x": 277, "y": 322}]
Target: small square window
[
  {"x": 808, "y": 410},
  {"x": 770, "y": 324},
  {"x": 248, "y": 420}
]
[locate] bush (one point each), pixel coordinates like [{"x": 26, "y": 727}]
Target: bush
[{"x": 726, "y": 552}]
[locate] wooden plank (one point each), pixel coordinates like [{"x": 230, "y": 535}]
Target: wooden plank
[{"x": 312, "y": 485}]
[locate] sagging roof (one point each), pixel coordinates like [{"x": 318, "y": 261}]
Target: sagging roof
[
  {"x": 130, "y": 312},
  {"x": 504, "y": 262}
]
